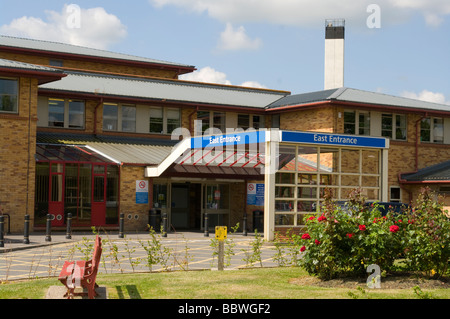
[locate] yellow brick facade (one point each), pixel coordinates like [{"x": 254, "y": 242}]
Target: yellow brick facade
[{"x": 18, "y": 146}]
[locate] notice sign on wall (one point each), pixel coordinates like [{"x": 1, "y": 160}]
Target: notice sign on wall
[
  {"x": 255, "y": 194},
  {"x": 142, "y": 192}
]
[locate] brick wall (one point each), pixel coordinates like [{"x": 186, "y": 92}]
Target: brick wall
[
  {"x": 137, "y": 212},
  {"x": 92, "y": 66},
  {"x": 18, "y": 146}
]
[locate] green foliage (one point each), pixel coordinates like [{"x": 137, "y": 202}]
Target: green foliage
[{"x": 341, "y": 241}]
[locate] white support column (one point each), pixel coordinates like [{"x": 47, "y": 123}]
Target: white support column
[
  {"x": 271, "y": 166},
  {"x": 384, "y": 175}
]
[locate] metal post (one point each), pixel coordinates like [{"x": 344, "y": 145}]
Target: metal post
[
  {"x": 26, "y": 233},
  {"x": 48, "y": 236},
  {"x": 244, "y": 225},
  {"x": 221, "y": 255},
  {"x": 69, "y": 226},
  {"x": 121, "y": 225},
  {"x": 164, "y": 221},
  {"x": 206, "y": 234},
  {"x": 2, "y": 230}
]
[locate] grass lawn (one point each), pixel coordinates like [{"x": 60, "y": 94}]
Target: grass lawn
[{"x": 257, "y": 283}]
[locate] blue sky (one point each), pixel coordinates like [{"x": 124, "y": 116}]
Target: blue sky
[{"x": 276, "y": 44}]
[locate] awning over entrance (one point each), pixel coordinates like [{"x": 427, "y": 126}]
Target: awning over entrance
[{"x": 69, "y": 153}]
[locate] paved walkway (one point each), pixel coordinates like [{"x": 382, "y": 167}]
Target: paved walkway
[{"x": 182, "y": 251}]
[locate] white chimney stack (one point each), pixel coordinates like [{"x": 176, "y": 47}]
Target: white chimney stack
[{"x": 334, "y": 54}]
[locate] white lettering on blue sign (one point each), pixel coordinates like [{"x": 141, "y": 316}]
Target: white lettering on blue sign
[{"x": 334, "y": 139}]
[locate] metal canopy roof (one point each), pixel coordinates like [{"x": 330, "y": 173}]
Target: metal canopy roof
[{"x": 68, "y": 153}]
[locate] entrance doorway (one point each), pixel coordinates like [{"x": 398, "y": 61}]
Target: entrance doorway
[
  {"x": 185, "y": 205},
  {"x": 89, "y": 191}
]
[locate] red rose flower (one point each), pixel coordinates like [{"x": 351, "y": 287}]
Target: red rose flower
[
  {"x": 311, "y": 218},
  {"x": 302, "y": 249},
  {"x": 321, "y": 218},
  {"x": 316, "y": 242},
  {"x": 362, "y": 227},
  {"x": 394, "y": 228},
  {"x": 349, "y": 235},
  {"x": 306, "y": 236}
]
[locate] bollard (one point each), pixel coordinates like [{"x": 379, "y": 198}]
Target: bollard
[
  {"x": 26, "y": 228},
  {"x": 244, "y": 225},
  {"x": 69, "y": 226},
  {"x": 48, "y": 236},
  {"x": 164, "y": 221},
  {"x": 2, "y": 230},
  {"x": 121, "y": 225},
  {"x": 206, "y": 234}
]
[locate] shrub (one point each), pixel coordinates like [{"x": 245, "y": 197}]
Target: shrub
[{"x": 343, "y": 241}]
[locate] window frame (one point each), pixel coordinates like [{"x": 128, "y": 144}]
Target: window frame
[
  {"x": 164, "y": 119},
  {"x": 431, "y": 130},
  {"x": 15, "y": 104}
]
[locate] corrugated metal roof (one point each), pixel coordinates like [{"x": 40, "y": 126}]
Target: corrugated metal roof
[
  {"x": 131, "y": 153},
  {"x": 438, "y": 172},
  {"x": 170, "y": 90},
  {"x": 358, "y": 96},
  {"x": 26, "y": 66},
  {"x": 78, "y": 50}
]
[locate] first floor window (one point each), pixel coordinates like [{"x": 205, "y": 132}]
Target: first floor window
[
  {"x": 432, "y": 130},
  {"x": 56, "y": 112},
  {"x": 128, "y": 118},
  {"x": 356, "y": 123},
  {"x": 76, "y": 114},
  {"x": 156, "y": 120},
  {"x": 110, "y": 116},
  {"x": 9, "y": 89}
]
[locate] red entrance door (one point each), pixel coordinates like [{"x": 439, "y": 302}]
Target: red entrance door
[
  {"x": 56, "y": 194},
  {"x": 98, "y": 213}
]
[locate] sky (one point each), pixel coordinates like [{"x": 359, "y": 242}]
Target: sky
[{"x": 396, "y": 47}]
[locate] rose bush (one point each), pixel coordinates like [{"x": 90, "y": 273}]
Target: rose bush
[{"x": 346, "y": 241}]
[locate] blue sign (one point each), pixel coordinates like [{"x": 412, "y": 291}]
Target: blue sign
[
  {"x": 211, "y": 141},
  {"x": 255, "y": 194},
  {"x": 334, "y": 139}
]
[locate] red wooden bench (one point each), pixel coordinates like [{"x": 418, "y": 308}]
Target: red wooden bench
[{"x": 81, "y": 273}]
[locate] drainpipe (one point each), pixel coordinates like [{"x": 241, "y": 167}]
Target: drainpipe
[{"x": 95, "y": 115}]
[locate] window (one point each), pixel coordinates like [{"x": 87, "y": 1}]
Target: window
[
  {"x": 258, "y": 122},
  {"x": 118, "y": 117},
  {"x": 395, "y": 194},
  {"x": 393, "y": 126},
  {"x": 432, "y": 130},
  {"x": 110, "y": 117},
  {"x": 173, "y": 120},
  {"x": 57, "y": 63},
  {"x": 216, "y": 118},
  {"x": 356, "y": 123},
  {"x": 164, "y": 121},
  {"x": 243, "y": 121},
  {"x": 304, "y": 172},
  {"x": 76, "y": 114},
  {"x": 8, "y": 95},
  {"x": 128, "y": 118},
  {"x": 56, "y": 112}
]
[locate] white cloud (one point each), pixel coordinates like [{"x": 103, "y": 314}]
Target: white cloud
[
  {"x": 427, "y": 96},
  {"x": 311, "y": 12},
  {"x": 210, "y": 75},
  {"x": 237, "y": 39},
  {"x": 93, "y": 27}
]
